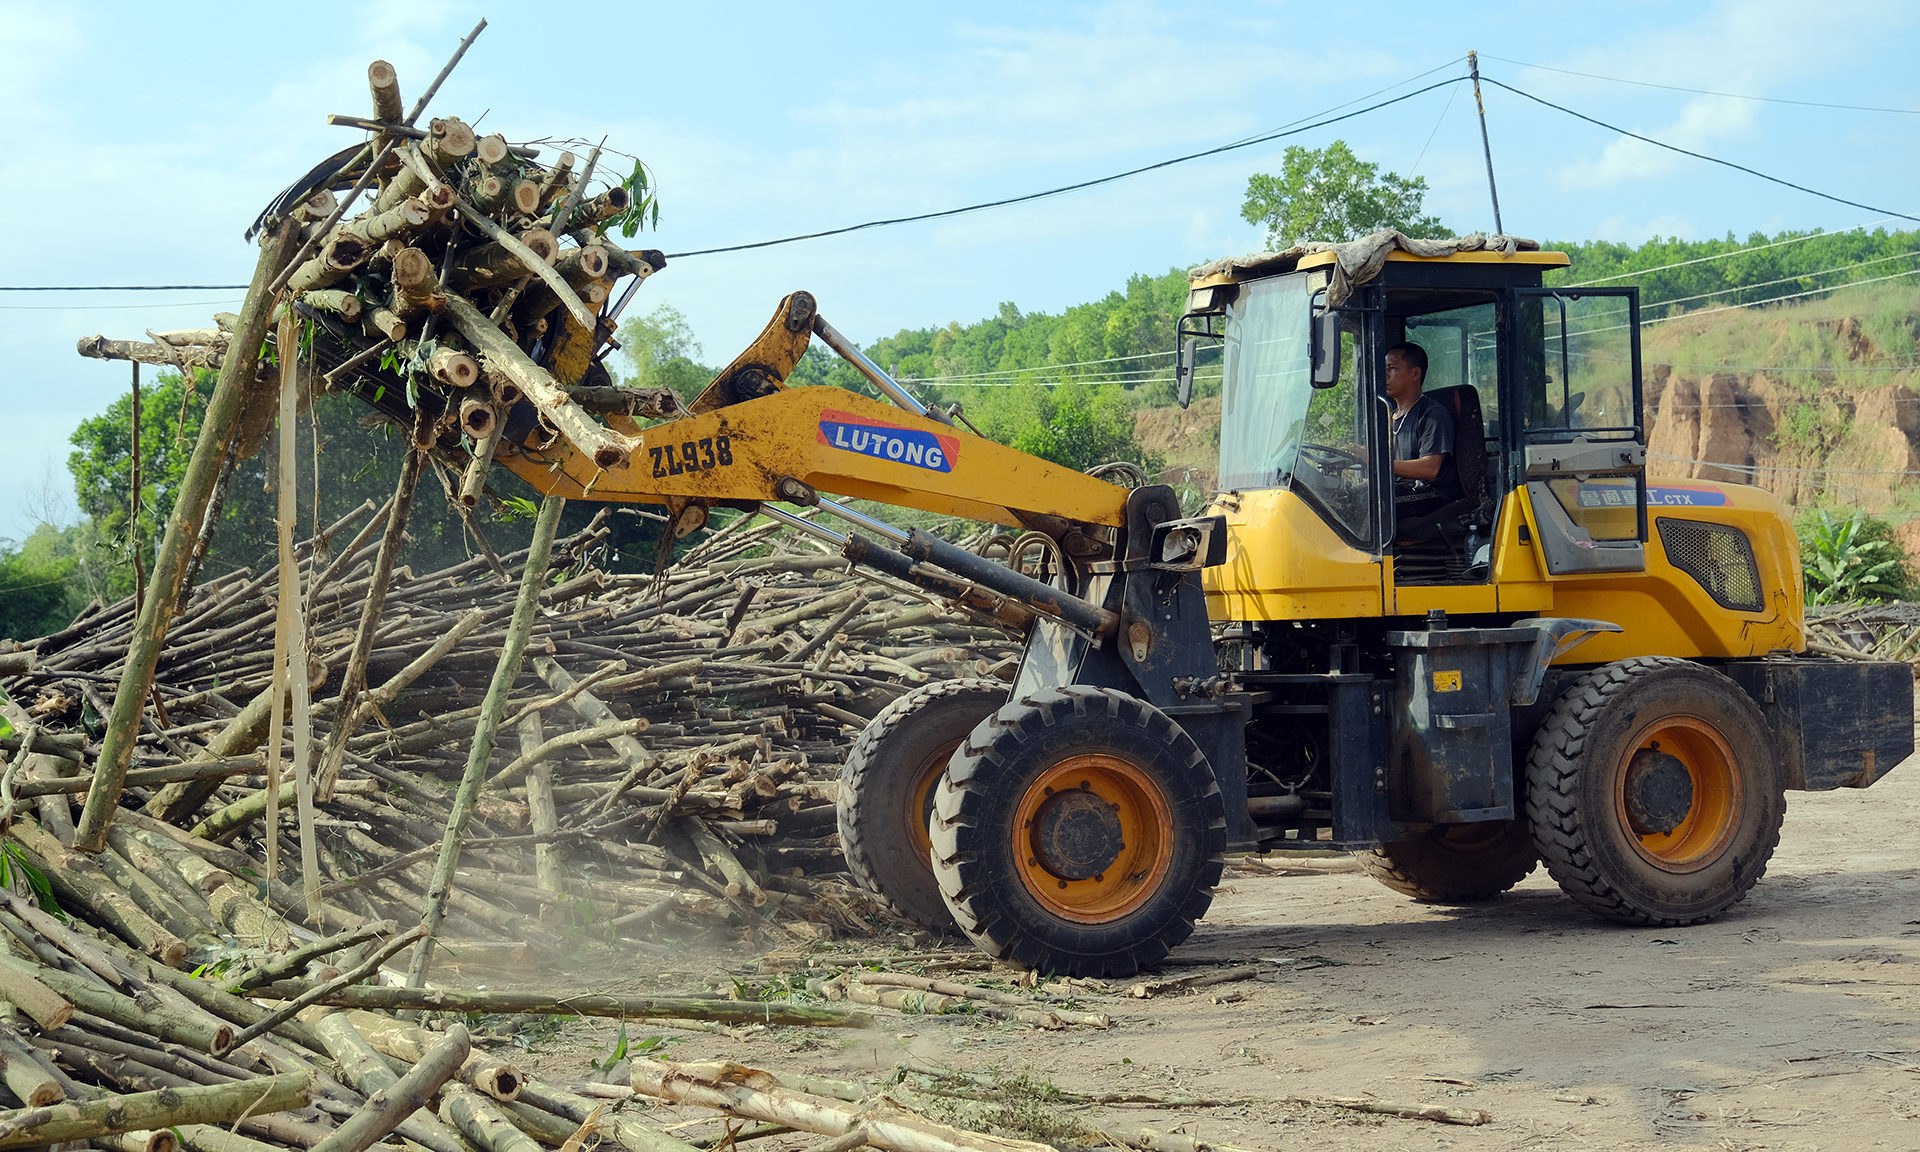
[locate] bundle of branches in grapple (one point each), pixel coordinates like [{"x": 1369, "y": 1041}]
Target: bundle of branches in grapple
[
  {"x": 474, "y": 292},
  {"x": 685, "y": 741}
]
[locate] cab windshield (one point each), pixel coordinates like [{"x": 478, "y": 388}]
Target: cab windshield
[{"x": 1276, "y": 429}]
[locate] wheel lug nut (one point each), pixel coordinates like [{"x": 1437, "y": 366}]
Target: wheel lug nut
[{"x": 1063, "y": 883}]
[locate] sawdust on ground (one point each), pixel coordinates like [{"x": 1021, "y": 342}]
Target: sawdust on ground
[{"x": 1791, "y": 1023}]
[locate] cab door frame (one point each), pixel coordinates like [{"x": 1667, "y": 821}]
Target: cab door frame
[{"x": 1576, "y": 477}]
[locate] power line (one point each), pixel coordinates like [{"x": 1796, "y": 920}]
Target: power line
[
  {"x": 1247, "y": 143},
  {"x": 1757, "y": 468},
  {"x": 1038, "y": 368},
  {"x": 1726, "y": 255},
  {"x": 1788, "y": 279},
  {"x": 1778, "y": 299},
  {"x": 131, "y": 288},
  {"x": 1769, "y": 284},
  {"x": 110, "y": 307},
  {"x": 1698, "y": 155},
  {"x": 1748, "y": 304},
  {"x": 1777, "y": 368},
  {"x": 1703, "y": 91}
]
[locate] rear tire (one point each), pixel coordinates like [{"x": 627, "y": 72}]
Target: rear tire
[
  {"x": 1653, "y": 792},
  {"x": 1456, "y": 863},
  {"x": 886, "y": 793},
  {"x": 1079, "y": 831}
]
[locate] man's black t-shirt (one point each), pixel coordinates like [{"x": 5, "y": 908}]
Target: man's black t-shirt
[{"x": 1427, "y": 430}]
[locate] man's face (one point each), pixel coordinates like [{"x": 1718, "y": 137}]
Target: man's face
[{"x": 1403, "y": 379}]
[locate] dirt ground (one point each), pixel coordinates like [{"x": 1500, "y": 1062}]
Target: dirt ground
[{"x": 1790, "y": 1023}]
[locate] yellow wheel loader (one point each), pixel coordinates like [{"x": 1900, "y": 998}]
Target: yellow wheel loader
[{"x": 1574, "y": 663}]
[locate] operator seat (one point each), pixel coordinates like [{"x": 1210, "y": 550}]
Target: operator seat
[{"x": 1439, "y": 548}]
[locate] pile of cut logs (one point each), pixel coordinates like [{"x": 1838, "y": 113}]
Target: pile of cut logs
[
  {"x": 686, "y": 740},
  {"x": 679, "y": 744}
]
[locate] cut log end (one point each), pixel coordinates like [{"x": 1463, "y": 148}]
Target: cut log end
[
  {"x": 384, "y": 83},
  {"x": 492, "y": 149},
  {"x": 413, "y": 272},
  {"x": 476, "y": 418},
  {"x": 316, "y": 207},
  {"x": 541, "y": 241},
  {"x": 502, "y": 1083},
  {"x": 452, "y": 138},
  {"x": 346, "y": 252},
  {"x": 526, "y": 197},
  {"x": 610, "y": 456},
  {"x": 455, "y": 369}
]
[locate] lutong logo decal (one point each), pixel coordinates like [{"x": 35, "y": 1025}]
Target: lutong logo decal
[{"x": 921, "y": 449}]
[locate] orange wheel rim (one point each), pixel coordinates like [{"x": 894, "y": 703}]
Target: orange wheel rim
[
  {"x": 919, "y": 799},
  {"x": 1698, "y": 836},
  {"x": 1094, "y": 836}
]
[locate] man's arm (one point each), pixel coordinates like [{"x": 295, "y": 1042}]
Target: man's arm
[{"x": 1425, "y": 468}]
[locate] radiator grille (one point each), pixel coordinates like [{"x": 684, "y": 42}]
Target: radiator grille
[{"x": 1719, "y": 557}]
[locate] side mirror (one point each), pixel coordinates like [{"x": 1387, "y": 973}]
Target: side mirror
[
  {"x": 1183, "y": 369},
  {"x": 1323, "y": 348}
]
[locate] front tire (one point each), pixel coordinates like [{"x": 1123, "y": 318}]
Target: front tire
[
  {"x": 1078, "y": 831},
  {"x": 886, "y": 793},
  {"x": 1456, "y": 863},
  {"x": 1653, "y": 792}
]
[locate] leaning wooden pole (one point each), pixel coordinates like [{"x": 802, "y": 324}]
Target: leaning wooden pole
[
  {"x": 532, "y": 580},
  {"x": 196, "y": 487}
]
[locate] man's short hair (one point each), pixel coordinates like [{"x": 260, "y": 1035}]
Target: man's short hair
[{"x": 1414, "y": 355}]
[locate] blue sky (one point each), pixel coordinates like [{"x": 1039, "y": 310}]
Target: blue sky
[{"x": 141, "y": 144}]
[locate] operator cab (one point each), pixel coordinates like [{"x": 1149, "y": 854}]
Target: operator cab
[{"x": 1542, "y": 385}]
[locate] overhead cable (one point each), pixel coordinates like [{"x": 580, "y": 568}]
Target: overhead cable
[
  {"x": 1727, "y": 255},
  {"x": 130, "y": 288},
  {"x": 1703, "y": 91},
  {"x": 949, "y": 212},
  {"x": 1697, "y": 155}
]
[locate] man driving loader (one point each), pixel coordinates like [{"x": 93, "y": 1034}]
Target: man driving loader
[{"x": 1425, "y": 477}]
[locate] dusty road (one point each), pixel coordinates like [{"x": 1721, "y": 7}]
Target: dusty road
[{"x": 1791, "y": 1023}]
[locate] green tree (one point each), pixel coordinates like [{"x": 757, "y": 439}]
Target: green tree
[
  {"x": 1852, "y": 559},
  {"x": 1330, "y": 194},
  {"x": 354, "y": 460},
  {"x": 1075, "y": 424},
  {"x": 39, "y": 591},
  {"x": 661, "y": 350},
  {"x": 1676, "y": 275},
  {"x": 170, "y": 407}
]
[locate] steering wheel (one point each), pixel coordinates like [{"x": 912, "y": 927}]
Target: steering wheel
[{"x": 1327, "y": 458}]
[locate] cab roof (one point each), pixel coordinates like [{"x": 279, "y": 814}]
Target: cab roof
[{"x": 1260, "y": 265}]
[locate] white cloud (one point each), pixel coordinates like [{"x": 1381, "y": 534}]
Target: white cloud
[{"x": 1704, "y": 122}]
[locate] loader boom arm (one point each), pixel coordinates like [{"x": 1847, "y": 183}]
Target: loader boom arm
[{"x": 752, "y": 437}]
